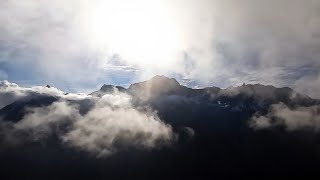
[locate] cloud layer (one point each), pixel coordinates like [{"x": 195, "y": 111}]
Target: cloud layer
[{"x": 110, "y": 124}]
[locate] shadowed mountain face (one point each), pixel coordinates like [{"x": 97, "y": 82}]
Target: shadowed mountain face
[
  {"x": 15, "y": 111},
  {"x": 161, "y": 89},
  {"x": 250, "y": 131}
]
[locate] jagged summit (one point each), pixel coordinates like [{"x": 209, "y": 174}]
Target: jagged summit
[{"x": 162, "y": 85}]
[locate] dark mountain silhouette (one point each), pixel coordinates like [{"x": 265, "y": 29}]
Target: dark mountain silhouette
[
  {"x": 214, "y": 137},
  {"x": 16, "y": 110}
]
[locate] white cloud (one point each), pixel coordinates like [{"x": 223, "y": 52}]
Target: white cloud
[
  {"x": 112, "y": 123},
  {"x": 291, "y": 119},
  {"x": 104, "y": 128},
  {"x": 42, "y": 122},
  {"x": 10, "y": 92}
]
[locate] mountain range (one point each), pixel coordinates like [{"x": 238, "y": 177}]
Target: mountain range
[{"x": 249, "y": 131}]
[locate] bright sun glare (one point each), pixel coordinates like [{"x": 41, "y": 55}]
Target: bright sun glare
[{"x": 141, "y": 32}]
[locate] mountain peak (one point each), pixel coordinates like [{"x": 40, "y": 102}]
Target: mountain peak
[
  {"x": 163, "y": 80},
  {"x": 155, "y": 86},
  {"x": 158, "y": 82},
  {"x": 108, "y": 89}
]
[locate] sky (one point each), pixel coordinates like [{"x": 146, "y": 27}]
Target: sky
[{"x": 78, "y": 45}]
